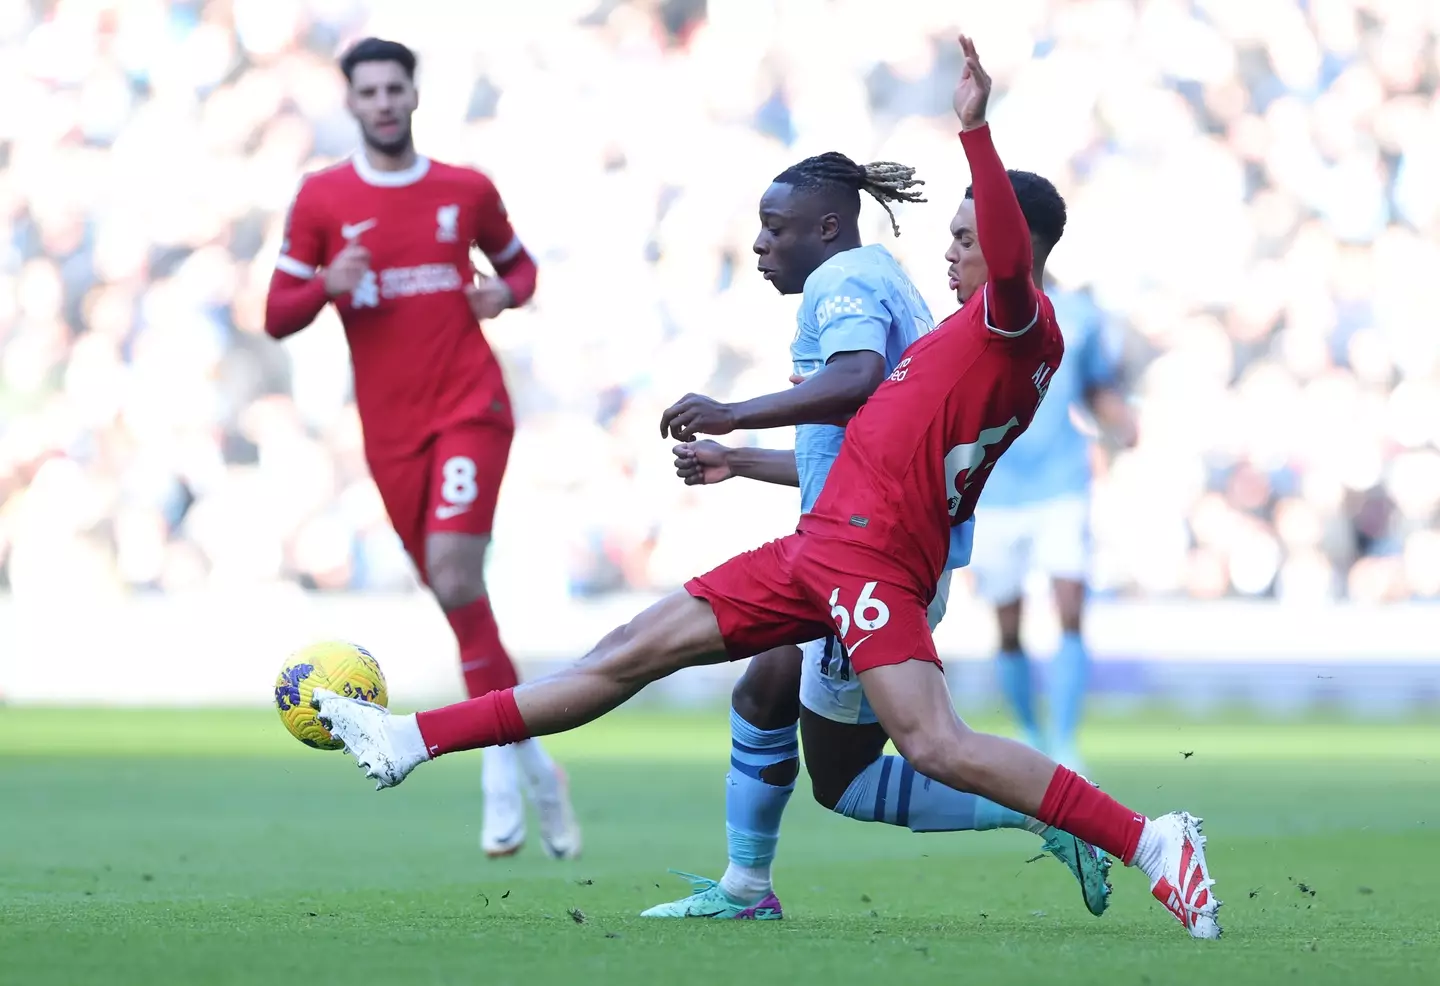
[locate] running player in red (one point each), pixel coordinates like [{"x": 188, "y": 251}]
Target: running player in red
[
  {"x": 862, "y": 565},
  {"x": 386, "y": 237}
]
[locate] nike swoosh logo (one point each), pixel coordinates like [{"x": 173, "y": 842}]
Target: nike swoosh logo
[
  {"x": 445, "y": 512},
  {"x": 513, "y": 837},
  {"x": 852, "y": 649},
  {"x": 351, "y": 230}
]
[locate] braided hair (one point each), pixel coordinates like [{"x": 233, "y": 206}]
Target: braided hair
[{"x": 885, "y": 181}]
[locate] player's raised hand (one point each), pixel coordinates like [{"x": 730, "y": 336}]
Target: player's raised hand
[
  {"x": 702, "y": 463},
  {"x": 695, "y": 414},
  {"x": 347, "y": 270},
  {"x": 973, "y": 92},
  {"x": 489, "y": 298}
]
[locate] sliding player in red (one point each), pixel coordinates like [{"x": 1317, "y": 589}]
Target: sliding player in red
[
  {"x": 863, "y": 565},
  {"x": 386, "y": 238}
]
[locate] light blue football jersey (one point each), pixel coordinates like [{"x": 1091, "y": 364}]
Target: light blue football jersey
[
  {"x": 857, "y": 300},
  {"x": 1051, "y": 460}
]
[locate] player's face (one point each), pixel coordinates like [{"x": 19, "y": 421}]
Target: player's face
[
  {"x": 791, "y": 243},
  {"x": 383, "y": 98},
  {"x": 968, "y": 272}
]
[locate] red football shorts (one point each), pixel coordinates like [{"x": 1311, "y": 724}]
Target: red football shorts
[
  {"x": 451, "y": 484},
  {"x": 802, "y": 588}
]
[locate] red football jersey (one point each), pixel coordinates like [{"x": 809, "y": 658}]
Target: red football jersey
[
  {"x": 421, "y": 363},
  {"x": 917, "y": 454}
]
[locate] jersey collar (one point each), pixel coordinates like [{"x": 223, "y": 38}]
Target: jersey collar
[{"x": 389, "y": 179}]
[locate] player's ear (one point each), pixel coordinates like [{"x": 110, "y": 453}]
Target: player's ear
[{"x": 829, "y": 227}]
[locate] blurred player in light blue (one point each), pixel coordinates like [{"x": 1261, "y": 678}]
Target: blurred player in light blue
[
  {"x": 858, "y": 314},
  {"x": 1034, "y": 516}
]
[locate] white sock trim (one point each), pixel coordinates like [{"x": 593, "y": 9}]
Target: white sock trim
[
  {"x": 499, "y": 772},
  {"x": 1149, "y": 852},
  {"x": 746, "y": 884},
  {"x": 542, "y": 778},
  {"x": 405, "y": 735}
]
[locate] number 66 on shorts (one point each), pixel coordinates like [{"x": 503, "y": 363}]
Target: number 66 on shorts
[
  {"x": 864, "y": 607},
  {"x": 879, "y": 623},
  {"x": 795, "y": 589}
]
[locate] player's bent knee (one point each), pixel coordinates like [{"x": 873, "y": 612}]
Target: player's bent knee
[
  {"x": 827, "y": 790},
  {"x": 921, "y": 751},
  {"x": 457, "y": 579},
  {"x": 781, "y": 774},
  {"x": 937, "y": 754},
  {"x": 455, "y": 567},
  {"x": 1069, "y": 603},
  {"x": 767, "y": 694}
]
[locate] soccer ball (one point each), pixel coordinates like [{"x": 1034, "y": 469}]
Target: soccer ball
[{"x": 344, "y": 668}]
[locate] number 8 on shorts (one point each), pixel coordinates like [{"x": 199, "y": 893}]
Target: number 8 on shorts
[
  {"x": 466, "y": 467},
  {"x": 458, "y": 480}
]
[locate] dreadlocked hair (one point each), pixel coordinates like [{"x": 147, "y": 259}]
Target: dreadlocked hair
[{"x": 885, "y": 181}]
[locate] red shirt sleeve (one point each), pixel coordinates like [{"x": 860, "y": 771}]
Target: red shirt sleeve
[
  {"x": 496, "y": 238},
  {"x": 296, "y": 293},
  {"x": 1012, "y": 304}
]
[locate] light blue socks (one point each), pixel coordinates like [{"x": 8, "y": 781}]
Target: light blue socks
[
  {"x": 1012, "y": 668},
  {"x": 752, "y": 807},
  {"x": 891, "y": 791},
  {"x": 1069, "y": 675}
]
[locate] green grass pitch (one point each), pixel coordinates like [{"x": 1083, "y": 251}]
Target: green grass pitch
[{"x": 209, "y": 847}]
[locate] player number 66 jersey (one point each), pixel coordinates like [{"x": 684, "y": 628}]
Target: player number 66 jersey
[{"x": 917, "y": 455}]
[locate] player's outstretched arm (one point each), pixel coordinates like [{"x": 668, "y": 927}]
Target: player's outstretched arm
[
  {"x": 767, "y": 465},
  {"x": 707, "y": 463},
  {"x": 1011, "y": 296},
  {"x": 833, "y": 394},
  {"x": 841, "y": 387}
]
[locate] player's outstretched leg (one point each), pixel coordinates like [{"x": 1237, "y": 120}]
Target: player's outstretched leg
[
  {"x": 764, "y": 761},
  {"x": 913, "y": 705},
  {"x": 850, "y": 775},
  {"x": 678, "y": 631}
]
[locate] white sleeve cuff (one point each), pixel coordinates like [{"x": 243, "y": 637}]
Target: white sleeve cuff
[
  {"x": 294, "y": 267},
  {"x": 985, "y": 295},
  {"x": 511, "y": 251}
]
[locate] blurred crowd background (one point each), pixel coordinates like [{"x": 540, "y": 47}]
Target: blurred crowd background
[{"x": 1254, "y": 193}]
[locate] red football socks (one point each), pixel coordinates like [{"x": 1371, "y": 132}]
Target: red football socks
[
  {"x": 483, "y": 659},
  {"x": 490, "y": 720},
  {"x": 490, "y": 717},
  {"x": 1076, "y": 806}
]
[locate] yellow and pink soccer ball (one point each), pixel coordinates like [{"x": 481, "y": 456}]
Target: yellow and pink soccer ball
[{"x": 344, "y": 668}]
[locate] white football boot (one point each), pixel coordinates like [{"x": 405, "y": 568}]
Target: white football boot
[
  {"x": 1174, "y": 859},
  {"x": 502, "y": 829},
  {"x": 369, "y": 735},
  {"x": 559, "y": 829}
]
